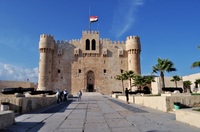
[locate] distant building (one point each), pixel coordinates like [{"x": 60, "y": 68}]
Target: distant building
[{"x": 89, "y": 64}]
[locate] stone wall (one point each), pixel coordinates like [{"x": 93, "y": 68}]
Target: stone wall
[
  {"x": 166, "y": 103},
  {"x": 25, "y": 104},
  {"x": 6, "y": 118},
  {"x": 163, "y": 103},
  {"x": 15, "y": 84}
]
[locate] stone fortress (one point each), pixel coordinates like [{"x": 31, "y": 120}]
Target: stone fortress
[{"x": 89, "y": 64}]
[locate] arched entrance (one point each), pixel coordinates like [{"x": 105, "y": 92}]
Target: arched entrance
[{"x": 90, "y": 81}]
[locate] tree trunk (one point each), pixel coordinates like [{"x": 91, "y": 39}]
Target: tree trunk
[
  {"x": 122, "y": 86},
  {"x": 163, "y": 81}
]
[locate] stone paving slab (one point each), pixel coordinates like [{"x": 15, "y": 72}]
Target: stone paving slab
[{"x": 98, "y": 113}]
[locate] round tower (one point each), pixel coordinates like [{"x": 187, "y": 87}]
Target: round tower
[
  {"x": 133, "y": 48},
  {"x": 46, "y": 48}
]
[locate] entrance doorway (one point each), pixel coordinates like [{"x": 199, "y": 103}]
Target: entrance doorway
[{"x": 90, "y": 81}]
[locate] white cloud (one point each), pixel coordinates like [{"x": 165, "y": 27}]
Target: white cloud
[
  {"x": 17, "y": 73},
  {"x": 124, "y": 16}
]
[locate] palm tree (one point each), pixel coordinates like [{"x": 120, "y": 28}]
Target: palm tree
[
  {"x": 176, "y": 79},
  {"x": 186, "y": 85},
  {"x": 129, "y": 75},
  {"x": 142, "y": 80},
  {"x": 121, "y": 77},
  {"x": 197, "y": 82},
  {"x": 149, "y": 79},
  {"x": 162, "y": 66},
  {"x": 139, "y": 81},
  {"x": 196, "y": 63}
]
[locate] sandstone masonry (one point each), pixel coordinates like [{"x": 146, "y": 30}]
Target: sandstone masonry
[{"x": 89, "y": 64}]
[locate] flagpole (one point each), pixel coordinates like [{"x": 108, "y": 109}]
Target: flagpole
[{"x": 89, "y": 20}]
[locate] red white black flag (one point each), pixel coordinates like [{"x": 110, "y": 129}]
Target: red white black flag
[{"x": 93, "y": 18}]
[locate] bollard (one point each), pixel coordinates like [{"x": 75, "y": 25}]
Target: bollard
[{"x": 4, "y": 106}]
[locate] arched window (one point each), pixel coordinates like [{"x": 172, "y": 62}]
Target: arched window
[
  {"x": 87, "y": 46},
  {"x": 93, "y": 44}
]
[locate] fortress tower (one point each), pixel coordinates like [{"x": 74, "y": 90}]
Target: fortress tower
[
  {"x": 89, "y": 64},
  {"x": 46, "y": 48},
  {"x": 133, "y": 49}
]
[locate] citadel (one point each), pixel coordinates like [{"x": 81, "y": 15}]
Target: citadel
[{"x": 89, "y": 64}]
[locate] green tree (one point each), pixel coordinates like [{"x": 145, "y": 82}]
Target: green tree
[
  {"x": 163, "y": 65},
  {"x": 121, "y": 77},
  {"x": 129, "y": 75},
  {"x": 186, "y": 85},
  {"x": 176, "y": 79},
  {"x": 197, "y": 82},
  {"x": 149, "y": 79},
  {"x": 196, "y": 63},
  {"x": 139, "y": 81}
]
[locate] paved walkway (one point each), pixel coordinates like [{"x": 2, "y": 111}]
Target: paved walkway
[{"x": 98, "y": 113}]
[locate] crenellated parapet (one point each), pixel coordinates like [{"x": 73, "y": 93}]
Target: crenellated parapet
[
  {"x": 133, "y": 43},
  {"x": 108, "y": 41},
  {"x": 90, "y": 32},
  {"x": 46, "y": 42}
]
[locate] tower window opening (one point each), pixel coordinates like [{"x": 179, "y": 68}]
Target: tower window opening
[
  {"x": 79, "y": 70},
  {"x": 93, "y": 44},
  {"x": 49, "y": 72},
  {"x": 87, "y": 46},
  {"x": 58, "y": 70},
  {"x": 122, "y": 71},
  {"x": 104, "y": 71}
]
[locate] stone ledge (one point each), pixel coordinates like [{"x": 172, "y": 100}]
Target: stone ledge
[
  {"x": 6, "y": 118},
  {"x": 189, "y": 116}
]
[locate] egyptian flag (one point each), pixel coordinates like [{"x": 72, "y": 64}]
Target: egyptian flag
[{"x": 93, "y": 19}]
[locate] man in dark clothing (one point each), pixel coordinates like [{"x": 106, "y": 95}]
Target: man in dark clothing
[{"x": 126, "y": 93}]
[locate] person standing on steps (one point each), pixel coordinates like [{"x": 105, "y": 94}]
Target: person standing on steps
[{"x": 126, "y": 93}]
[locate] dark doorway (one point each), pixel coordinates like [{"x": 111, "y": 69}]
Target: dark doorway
[
  {"x": 90, "y": 81},
  {"x": 90, "y": 88}
]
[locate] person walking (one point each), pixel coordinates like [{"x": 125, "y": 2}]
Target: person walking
[
  {"x": 79, "y": 95},
  {"x": 58, "y": 96},
  {"x": 65, "y": 95},
  {"x": 126, "y": 93}
]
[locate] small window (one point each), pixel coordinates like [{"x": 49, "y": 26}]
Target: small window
[
  {"x": 79, "y": 70},
  {"x": 122, "y": 71},
  {"x": 104, "y": 71},
  {"x": 58, "y": 70},
  {"x": 87, "y": 44},
  {"x": 93, "y": 44}
]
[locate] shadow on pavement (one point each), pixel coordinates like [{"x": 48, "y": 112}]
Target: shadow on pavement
[{"x": 128, "y": 107}]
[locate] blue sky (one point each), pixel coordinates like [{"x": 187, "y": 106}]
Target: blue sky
[{"x": 169, "y": 29}]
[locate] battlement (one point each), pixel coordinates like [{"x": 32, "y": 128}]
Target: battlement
[
  {"x": 90, "y": 32},
  {"x": 73, "y": 41},
  {"x": 47, "y": 36},
  {"x": 108, "y": 41},
  {"x": 136, "y": 38}
]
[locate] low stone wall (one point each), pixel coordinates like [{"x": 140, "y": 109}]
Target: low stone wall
[
  {"x": 188, "y": 116},
  {"x": 6, "y": 118},
  {"x": 25, "y": 104},
  {"x": 155, "y": 102},
  {"x": 163, "y": 103},
  {"x": 123, "y": 97},
  {"x": 166, "y": 103}
]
